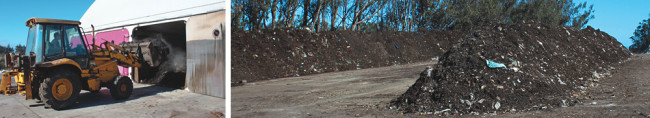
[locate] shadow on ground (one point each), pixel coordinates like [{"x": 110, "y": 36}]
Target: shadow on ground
[{"x": 87, "y": 99}]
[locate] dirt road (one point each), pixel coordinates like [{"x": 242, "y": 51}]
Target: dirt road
[
  {"x": 366, "y": 92},
  {"x": 146, "y": 101},
  {"x": 363, "y": 92}
]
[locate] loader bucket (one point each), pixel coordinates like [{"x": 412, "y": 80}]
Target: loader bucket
[{"x": 143, "y": 51}]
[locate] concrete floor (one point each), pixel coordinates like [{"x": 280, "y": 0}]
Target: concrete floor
[{"x": 146, "y": 101}]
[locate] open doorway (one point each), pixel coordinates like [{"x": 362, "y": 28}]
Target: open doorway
[{"x": 166, "y": 55}]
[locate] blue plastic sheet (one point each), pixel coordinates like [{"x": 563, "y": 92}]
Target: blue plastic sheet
[{"x": 493, "y": 64}]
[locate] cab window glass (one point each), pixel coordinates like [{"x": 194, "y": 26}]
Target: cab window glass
[
  {"x": 35, "y": 42},
  {"x": 74, "y": 43},
  {"x": 53, "y": 42}
]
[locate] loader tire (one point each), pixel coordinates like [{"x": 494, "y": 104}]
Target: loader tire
[
  {"x": 60, "y": 89},
  {"x": 122, "y": 89}
]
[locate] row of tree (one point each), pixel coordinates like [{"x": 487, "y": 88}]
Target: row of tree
[
  {"x": 403, "y": 15},
  {"x": 641, "y": 37},
  {"x": 9, "y": 49}
]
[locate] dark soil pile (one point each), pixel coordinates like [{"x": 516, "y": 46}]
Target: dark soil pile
[
  {"x": 270, "y": 54},
  {"x": 546, "y": 67}
]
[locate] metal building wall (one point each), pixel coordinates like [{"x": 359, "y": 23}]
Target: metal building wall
[
  {"x": 107, "y": 14},
  {"x": 206, "y": 54}
]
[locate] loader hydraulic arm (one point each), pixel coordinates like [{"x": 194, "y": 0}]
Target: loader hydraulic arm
[{"x": 122, "y": 57}]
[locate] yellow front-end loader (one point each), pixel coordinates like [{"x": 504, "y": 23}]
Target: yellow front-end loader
[{"x": 57, "y": 65}]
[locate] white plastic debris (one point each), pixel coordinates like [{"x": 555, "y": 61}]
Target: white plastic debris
[
  {"x": 442, "y": 111},
  {"x": 595, "y": 74},
  {"x": 429, "y": 70},
  {"x": 515, "y": 69},
  {"x": 471, "y": 96},
  {"x": 497, "y": 105},
  {"x": 561, "y": 82}
]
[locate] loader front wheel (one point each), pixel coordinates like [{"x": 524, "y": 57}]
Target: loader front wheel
[
  {"x": 122, "y": 89},
  {"x": 60, "y": 89}
]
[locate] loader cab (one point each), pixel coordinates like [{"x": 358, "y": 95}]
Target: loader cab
[{"x": 51, "y": 39}]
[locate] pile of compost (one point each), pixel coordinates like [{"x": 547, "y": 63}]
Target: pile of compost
[
  {"x": 535, "y": 67},
  {"x": 269, "y": 54}
]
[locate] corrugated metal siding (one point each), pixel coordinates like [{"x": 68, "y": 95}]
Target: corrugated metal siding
[
  {"x": 220, "y": 71},
  {"x": 205, "y": 54}
]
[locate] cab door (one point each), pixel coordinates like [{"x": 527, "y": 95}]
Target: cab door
[
  {"x": 75, "y": 46},
  {"x": 53, "y": 43}
]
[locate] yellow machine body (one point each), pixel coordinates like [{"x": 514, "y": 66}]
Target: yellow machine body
[
  {"x": 102, "y": 68},
  {"x": 6, "y": 86}
]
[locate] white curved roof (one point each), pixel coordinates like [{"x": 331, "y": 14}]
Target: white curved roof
[{"x": 105, "y": 14}]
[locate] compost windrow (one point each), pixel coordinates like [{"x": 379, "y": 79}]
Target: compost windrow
[
  {"x": 545, "y": 67},
  {"x": 276, "y": 53}
]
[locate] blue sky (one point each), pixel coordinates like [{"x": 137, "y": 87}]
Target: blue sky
[
  {"x": 619, "y": 18},
  {"x": 15, "y": 12}
]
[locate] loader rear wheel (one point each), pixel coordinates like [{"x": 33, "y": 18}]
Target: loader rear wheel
[
  {"x": 122, "y": 89},
  {"x": 60, "y": 89}
]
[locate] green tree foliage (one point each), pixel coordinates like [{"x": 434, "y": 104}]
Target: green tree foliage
[
  {"x": 6, "y": 49},
  {"x": 404, "y": 15},
  {"x": 20, "y": 49},
  {"x": 250, "y": 14},
  {"x": 553, "y": 12},
  {"x": 641, "y": 38}
]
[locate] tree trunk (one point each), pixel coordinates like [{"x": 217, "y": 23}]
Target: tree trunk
[
  {"x": 345, "y": 15},
  {"x": 305, "y": 12},
  {"x": 292, "y": 17},
  {"x": 273, "y": 9},
  {"x": 334, "y": 6},
  {"x": 365, "y": 6},
  {"x": 316, "y": 16},
  {"x": 357, "y": 12},
  {"x": 292, "y": 10}
]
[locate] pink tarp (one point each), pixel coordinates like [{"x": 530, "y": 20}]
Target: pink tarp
[{"x": 116, "y": 36}]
